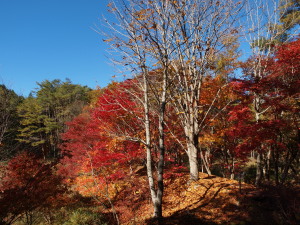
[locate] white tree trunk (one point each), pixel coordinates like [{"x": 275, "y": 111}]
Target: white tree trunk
[{"x": 193, "y": 161}]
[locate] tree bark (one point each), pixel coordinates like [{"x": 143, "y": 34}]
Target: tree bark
[
  {"x": 193, "y": 162},
  {"x": 259, "y": 171},
  {"x": 204, "y": 160}
]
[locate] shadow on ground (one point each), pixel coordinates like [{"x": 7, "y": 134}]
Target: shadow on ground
[
  {"x": 182, "y": 219},
  {"x": 265, "y": 206},
  {"x": 213, "y": 200}
]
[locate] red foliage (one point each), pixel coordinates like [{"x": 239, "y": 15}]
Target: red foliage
[
  {"x": 274, "y": 92},
  {"x": 28, "y": 183},
  {"x": 95, "y": 145},
  {"x": 118, "y": 110}
]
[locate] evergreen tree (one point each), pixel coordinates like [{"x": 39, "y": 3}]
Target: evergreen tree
[
  {"x": 9, "y": 101},
  {"x": 44, "y": 113}
]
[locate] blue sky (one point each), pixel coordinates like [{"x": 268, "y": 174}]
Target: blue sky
[{"x": 49, "y": 39}]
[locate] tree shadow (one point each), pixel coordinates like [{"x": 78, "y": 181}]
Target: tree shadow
[
  {"x": 274, "y": 205},
  {"x": 182, "y": 219},
  {"x": 213, "y": 200},
  {"x": 221, "y": 201},
  {"x": 197, "y": 210}
]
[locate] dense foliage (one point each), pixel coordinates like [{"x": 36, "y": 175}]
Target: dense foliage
[
  {"x": 44, "y": 113},
  {"x": 116, "y": 153},
  {"x": 9, "y": 122}
]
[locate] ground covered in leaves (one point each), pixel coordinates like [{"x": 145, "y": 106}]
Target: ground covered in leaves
[{"x": 210, "y": 200}]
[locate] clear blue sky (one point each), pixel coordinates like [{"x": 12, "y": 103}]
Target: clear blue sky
[{"x": 49, "y": 39}]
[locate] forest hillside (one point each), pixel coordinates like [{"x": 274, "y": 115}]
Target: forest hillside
[
  {"x": 214, "y": 200},
  {"x": 193, "y": 131}
]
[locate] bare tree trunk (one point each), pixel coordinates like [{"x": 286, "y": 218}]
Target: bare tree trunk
[
  {"x": 275, "y": 161},
  {"x": 205, "y": 162},
  {"x": 259, "y": 172},
  {"x": 156, "y": 203},
  {"x": 267, "y": 165},
  {"x": 288, "y": 162},
  {"x": 208, "y": 161},
  {"x": 161, "y": 126},
  {"x": 232, "y": 170},
  {"x": 193, "y": 161}
]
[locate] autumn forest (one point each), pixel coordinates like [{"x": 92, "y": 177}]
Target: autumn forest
[{"x": 201, "y": 126}]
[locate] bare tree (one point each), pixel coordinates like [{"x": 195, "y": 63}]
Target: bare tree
[
  {"x": 180, "y": 39},
  {"x": 200, "y": 29},
  {"x": 134, "y": 38}
]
